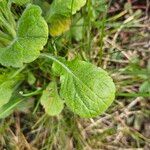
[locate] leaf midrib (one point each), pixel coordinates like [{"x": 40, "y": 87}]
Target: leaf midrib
[{"x": 69, "y": 71}]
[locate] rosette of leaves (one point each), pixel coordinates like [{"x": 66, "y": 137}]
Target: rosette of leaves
[
  {"x": 59, "y": 16},
  {"x": 21, "y": 42}
]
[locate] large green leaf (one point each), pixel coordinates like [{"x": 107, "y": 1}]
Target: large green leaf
[
  {"x": 51, "y": 101},
  {"x": 87, "y": 90},
  {"x": 32, "y": 35},
  {"x": 59, "y": 15}
]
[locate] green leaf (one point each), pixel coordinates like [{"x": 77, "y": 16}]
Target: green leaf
[
  {"x": 87, "y": 90},
  {"x": 51, "y": 101},
  {"x": 59, "y": 15},
  {"x": 31, "y": 78},
  {"x": 8, "y": 84},
  {"x": 32, "y": 35},
  {"x": 20, "y": 2},
  {"x": 8, "y": 108},
  {"x": 6, "y": 90}
]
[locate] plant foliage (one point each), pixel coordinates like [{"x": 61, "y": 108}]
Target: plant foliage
[{"x": 86, "y": 89}]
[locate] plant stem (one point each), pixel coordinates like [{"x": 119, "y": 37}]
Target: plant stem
[
  {"x": 133, "y": 94},
  {"x": 54, "y": 59},
  {"x": 18, "y": 71}
]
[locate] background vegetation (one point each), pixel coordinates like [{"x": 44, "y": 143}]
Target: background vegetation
[{"x": 115, "y": 36}]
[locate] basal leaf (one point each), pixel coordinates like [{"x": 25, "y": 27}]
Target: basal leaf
[
  {"x": 87, "y": 90},
  {"x": 51, "y": 101},
  {"x": 59, "y": 15},
  {"x": 32, "y": 34}
]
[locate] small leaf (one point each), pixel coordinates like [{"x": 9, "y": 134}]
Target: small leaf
[
  {"x": 31, "y": 78},
  {"x": 51, "y": 101},
  {"x": 59, "y": 15},
  {"x": 87, "y": 90},
  {"x": 32, "y": 35}
]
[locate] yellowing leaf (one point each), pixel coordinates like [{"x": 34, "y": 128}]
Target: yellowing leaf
[
  {"x": 59, "y": 26},
  {"x": 59, "y": 15}
]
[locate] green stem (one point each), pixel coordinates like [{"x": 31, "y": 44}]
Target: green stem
[
  {"x": 102, "y": 33},
  {"x": 18, "y": 71},
  {"x": 133, "y": 94},
  {"x": 89, "y": 26},
  {"x": 54, "y": 58},
  {"x": 38, "y": 91}
]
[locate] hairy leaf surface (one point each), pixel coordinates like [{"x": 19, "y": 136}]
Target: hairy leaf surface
[
  {"x": 87, "y": 90},
  {"x": 51, "y": 101},
  {"x": 32, "y": 34}
]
